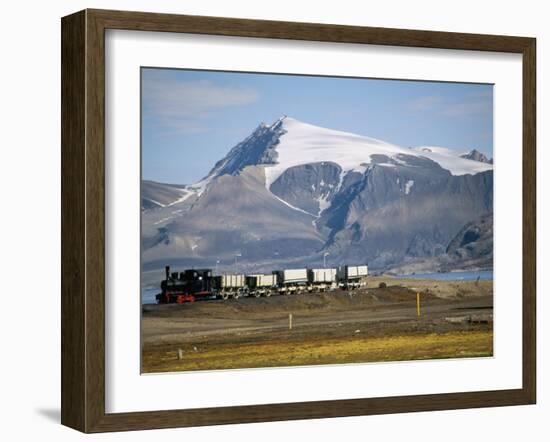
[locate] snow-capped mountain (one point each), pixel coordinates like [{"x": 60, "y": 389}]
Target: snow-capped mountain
[
  {"x": 291, "y": 192},
  {"x": 289, "y": 143}
]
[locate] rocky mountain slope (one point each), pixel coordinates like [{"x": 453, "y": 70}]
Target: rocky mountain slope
[{"x": 471, "y": 248}]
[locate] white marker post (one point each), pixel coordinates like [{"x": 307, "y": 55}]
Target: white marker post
[{"x": 290, "y": 321}]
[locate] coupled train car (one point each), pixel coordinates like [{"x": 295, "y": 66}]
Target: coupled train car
[{"x": 201, "y": 284}]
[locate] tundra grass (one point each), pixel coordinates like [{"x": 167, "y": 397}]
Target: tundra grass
[{"x": 354, "y": 349}]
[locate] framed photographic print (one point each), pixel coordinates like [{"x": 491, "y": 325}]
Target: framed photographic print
[{"x": 269, "y": 220}]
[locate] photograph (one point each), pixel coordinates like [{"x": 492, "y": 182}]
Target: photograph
[
  {"x": 256, "y": 222},
  {"x": 304, "y": 220}
]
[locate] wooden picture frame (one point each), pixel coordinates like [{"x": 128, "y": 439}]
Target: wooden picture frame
[{"x": 83, "y": 220}]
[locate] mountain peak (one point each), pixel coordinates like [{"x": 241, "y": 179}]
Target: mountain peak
[
  {"x": 279, "y": 122},
  {"x": 476, "y": 155},
  {"x": 257, "y": 148}
]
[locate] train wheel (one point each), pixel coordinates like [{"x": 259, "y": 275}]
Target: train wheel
[
  {"x": 225, "y": 296},
  {"x": 257, "y": 294},
  {"x": 236, "y": 295},
  {"x": 267, "y": 294}
]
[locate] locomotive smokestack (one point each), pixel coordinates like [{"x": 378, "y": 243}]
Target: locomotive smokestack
[{"x": 167, "y": 269}]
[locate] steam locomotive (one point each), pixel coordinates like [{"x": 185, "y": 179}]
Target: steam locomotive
[{"x": 201, "y": 284}]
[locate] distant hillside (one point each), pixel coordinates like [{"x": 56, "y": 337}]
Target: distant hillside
[
  {"x": 156, "y": 195},
  {"x": 470, "y": 249}
]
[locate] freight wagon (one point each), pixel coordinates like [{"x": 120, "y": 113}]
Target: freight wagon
[
  {"x": 322, "y": 279},
  {"x": 262, "y": 285},
  {"x": 292, "y": 281},
  {"x": 351, "y": 277},
  {"x": 321, "y": 275},
  {"x": 229, "y": 286}
]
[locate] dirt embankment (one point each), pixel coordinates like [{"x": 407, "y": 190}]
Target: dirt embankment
[{"x": 441, "y": 289}]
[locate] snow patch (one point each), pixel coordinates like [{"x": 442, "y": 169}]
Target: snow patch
[
  {"x": 324, "y": 204},
  {"x": 155, "y": 202},
  {"x": 408, "y": 186},
  {"x": 401, "y": 162},
  {"x": 185, "y": 193},
  {"x": 450, "y": 159},
  {"x": 201, "y": 186},
  {"x": 163, "y": 220},
  {"x": 291, "y": 206}
]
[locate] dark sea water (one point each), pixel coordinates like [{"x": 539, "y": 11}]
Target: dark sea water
[
  {"x": 148, "y": 295},
  {"x": 453, "y": 276}
]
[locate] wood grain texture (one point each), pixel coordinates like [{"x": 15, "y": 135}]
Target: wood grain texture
[
  {"x": 73, "y": 210},
  {"x": 145, "y": 21},
  {"x": 529, "y": 221},
  {"x": 83, "y": 220},
  {"x": 95, "y": 222}
]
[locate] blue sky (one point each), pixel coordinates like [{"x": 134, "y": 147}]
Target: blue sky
[{"x": 191, "y": 119}]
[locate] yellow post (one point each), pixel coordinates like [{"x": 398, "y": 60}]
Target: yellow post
[{"x": 418, "y": 304}]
